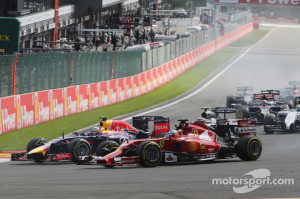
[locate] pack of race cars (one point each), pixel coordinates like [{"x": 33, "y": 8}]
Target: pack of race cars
[
  {"x": 117, "y": 143},
  {"x": 277, "y": 113},
  {"x": 149, "y": 141}
]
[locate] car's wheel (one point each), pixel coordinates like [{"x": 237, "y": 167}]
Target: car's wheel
[
  {"x": 34, "y": 143},
  {"x": 230, "y": 100},
  {"x": 290, "y": 103},
  {"x": 245, "y": 112},
  {"x": 150, "y": 154},
  {"x": 248, "y": 148},
  {"x": 79, "y": 147},
  {"x": 106, "y": 147},
  {"x": 268, "y": 120}
]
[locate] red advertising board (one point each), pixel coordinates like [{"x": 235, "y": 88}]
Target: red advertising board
[
  {"x": 136, "y": 85},
  {"x": 165, "y": 73},
  {"x": 154, "y": 78},
  {"x": 128, "y": 87},
  {"x": 83, "y": 98},
  {"x": 27, "y": 107},
  {"x": 57, "y": 103},
  {"x": 72, "y": 93},
  {"x": 104, "y": 93},
  {"x": 170, "y": 71},
  {"x": 149, "y": 80},
  {"x": 94, "y": 96},
  {"x": 143, "y": 83},
  {"x": 121, "y": 90},
  {"x": 269, "y": 2},
  {"x": 43, "y": 104},
  {"x": 10, "y": 114},
  {"x": 159, "y": 76},
  {"x": 113, "y": 91}
]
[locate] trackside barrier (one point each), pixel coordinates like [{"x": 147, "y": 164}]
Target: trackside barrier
[{"x": 25, "y": 110}]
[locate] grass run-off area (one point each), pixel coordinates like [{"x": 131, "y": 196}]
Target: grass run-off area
[{"x": 18, "y": 139}]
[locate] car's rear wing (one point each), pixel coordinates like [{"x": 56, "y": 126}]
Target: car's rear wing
[
  {"x": 264, "y": 96},
  {"x": 244, "y": 88},
  {"x": 224, "y": 110},
  {"x": 271, "y": 91},
  {"x": 246, "y": 127},
  {"x": 161, "y": 124},
  {"x": 295, "y": 82}
]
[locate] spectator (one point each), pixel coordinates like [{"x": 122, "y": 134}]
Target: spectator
[
  {"x": 97, "y": 42},
  {"x": 152, "y": 35}
]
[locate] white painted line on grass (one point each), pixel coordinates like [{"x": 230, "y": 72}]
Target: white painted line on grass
[{"x": 206, "y": 84}]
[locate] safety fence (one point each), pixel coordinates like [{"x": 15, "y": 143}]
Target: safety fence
[
  {"x": 25, "y": 73},
  {"x": 25, "y": 110}
]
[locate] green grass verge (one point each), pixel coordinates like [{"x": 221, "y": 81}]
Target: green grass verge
[{"x": 18, "y": 139}]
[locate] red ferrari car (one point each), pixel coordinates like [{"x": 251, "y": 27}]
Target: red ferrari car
[{"x": 192, "y": 142}]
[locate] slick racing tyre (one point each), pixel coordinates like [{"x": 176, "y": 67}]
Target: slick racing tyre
[
  {"x": 248, "y": 148},
  {"x": 150, "y": 154},
  {"x": 34, "y": 143},
  {"x": 106, "y": 147},
  {"x": 269, "y": 120},
  {"x": 79, "y": 147},
  {"x": 230, "y": 100}
]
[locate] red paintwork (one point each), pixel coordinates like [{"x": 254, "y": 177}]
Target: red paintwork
[
  {"x": 205, "y": 142},
  {"x": 120, "y": 125}
]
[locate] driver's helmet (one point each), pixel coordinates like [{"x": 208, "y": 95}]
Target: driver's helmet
[
  {"x": 95, "y": 131},
  {"x": 264, "y": 102},
  {"x": 173, "y": 133},
  {"x": 298, "y": 108}
]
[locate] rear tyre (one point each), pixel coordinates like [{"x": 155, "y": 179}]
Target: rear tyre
[
  {"x": 150, "y": 154},
  {"x": 268, "y": 120},
  {"x": 106, "y": 147},
  {"x": 230, "y": 100},
  {"x": 248, "y": 148},
  {"x": 79, "y": 147}
]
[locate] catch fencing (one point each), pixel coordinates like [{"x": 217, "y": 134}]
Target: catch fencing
[
  {"x": 25, "y": 73},
  {"x": 19, "y": 111}
]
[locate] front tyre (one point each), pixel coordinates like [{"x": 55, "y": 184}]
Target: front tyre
[
  {"x": 248, "y": 148},
  {"x": 106, "y": 147},
  {"x": 34, "y": 143},
  {"x": 269, "y": 120},
  {"x": 79, "y": 147},
  {"x": 150, "y": 154}
]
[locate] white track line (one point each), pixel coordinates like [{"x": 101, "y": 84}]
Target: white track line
[
  {"x": 205, "y": 85},
  {"x": 4, "y": 160}
]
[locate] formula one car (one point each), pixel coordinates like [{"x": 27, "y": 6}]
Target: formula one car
[
  {"x": 190, "y": 143},
  {"x": 292, "y": 93},
  {"x": 99, "y": 141},
  {"x": 262, "y": 104},
  {"x": 243, "y": 97},
  {"x": 283, "y": 121},
  {"x": 212, "y": 119}
]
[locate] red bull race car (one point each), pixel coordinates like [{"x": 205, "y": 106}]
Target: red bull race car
[
  {"x": 191, "y": 142},
  {"x": 99, "y": 141}
]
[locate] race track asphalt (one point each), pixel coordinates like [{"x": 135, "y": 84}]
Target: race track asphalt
[{"x": 268, "y": 65}]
